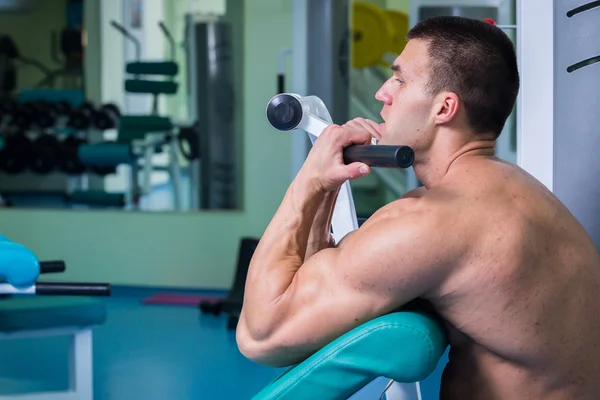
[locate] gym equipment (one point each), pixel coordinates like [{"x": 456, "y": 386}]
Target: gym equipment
[
  {"x": 69, "y": 162},
  {"x": 82, "y": 117},
  {"x": 45, "y": 152},
  {"x": 135, "y": 127},
  {"x": 46, "y": 115},
  {"x": 107, "y": 117},
  {"x": 375, "y": 33},
  {"x": 400, "y": 24},
  {"x": 61, "y": 311},
  {"x": 215, "y": 103},
  {"x": 188, "y": 142},
  {"x": 15, "y": 154},
  {"x": 289, "y": 111},
  {"x": 105, "y": 154},
  {"x": 232, "y": 305},
  {"x": 558, "y": 140},
  {"x": 8, "y": 71},
  {"x": 166, "y": 68},
  {"x": 372, "y": 34},
  {"x": 138, "y": 67},
  {"x": 285, "y": 112},
  {"x": 20, "y": 268},
  {"x": 97, "y": 198},
  {"x": 404, "y": 346}
]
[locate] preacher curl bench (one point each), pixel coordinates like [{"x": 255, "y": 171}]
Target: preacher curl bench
[{"x": 403, "y": 346}]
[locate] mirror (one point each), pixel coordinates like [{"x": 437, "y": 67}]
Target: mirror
[{"x": 138, "y": 110}]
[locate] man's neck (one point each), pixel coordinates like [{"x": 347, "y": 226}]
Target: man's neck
[{"x": 449, "y": 147}]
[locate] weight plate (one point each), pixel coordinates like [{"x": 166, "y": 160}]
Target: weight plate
[
  {"x": 69, "y": 157},
  {"x": 14, "y": 156},
  {"x": 371, "y": 35},
  {"x": 45, "y": 153},
  {"x": 399, "y": 23}
]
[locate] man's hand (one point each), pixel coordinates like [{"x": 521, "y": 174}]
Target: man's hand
[
  {"x": 324, "y": 166},
  {"x": 320, "y": 236}
]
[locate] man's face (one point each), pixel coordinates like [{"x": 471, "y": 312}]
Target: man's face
[{"x": 407, "y": 108}]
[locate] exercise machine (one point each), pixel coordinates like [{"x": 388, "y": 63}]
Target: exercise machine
[
  {"x": 30, "y": 308},
  {"x": 20, "y": 269},
  {"x": 403, "y": 346},
  {"x": 289, "y": 111}
]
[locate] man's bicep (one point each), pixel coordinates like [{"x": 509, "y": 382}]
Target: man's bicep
[
  {"x": 340, "y": 288},
  {"x": 391, "y": 266}
]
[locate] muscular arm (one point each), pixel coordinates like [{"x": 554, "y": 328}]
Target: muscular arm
[
  {"x": 320, "y": 236},
  {"x": 293, "y": 306}
]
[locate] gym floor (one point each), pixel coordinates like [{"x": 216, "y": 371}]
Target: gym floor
[{"x": 153, "y": 352}]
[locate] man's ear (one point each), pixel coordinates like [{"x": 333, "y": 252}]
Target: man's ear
[{"x": 446, "y": 107}]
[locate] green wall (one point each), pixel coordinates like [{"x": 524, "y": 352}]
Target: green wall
[{"x": 179, "y": 249}]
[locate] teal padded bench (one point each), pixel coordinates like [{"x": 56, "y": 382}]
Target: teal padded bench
[
  {"x": 40, "y": 312},
  {"x": 27, "y": 315},
  {"x": 42, "y": 316},
  {"x": 404, "y": 346}
]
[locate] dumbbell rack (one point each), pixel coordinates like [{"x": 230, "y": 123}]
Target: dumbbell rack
[{"x": 40, "y": 140}]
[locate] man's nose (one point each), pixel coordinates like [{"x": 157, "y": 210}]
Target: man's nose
[{"x": 382, "y": 94}]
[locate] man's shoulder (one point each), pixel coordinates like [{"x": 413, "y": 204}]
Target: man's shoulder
[
  {"x": 418, "y": 245},
  {"x": 411, "y": 222}
]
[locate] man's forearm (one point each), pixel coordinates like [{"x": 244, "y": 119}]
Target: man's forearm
[
  {"x": 320, "y": 233},
  {"x": 279, "y": 254}
]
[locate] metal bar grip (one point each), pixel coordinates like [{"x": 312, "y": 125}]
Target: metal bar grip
[
  {"x": 72, "y": 289},
  {"x": 380, "y": 156},
  {"x": 49, "y": 267}
]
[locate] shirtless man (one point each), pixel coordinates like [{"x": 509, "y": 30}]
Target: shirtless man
[{"x": 506, "y": 266}]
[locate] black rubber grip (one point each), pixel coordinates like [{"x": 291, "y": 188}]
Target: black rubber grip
[
  {"x": 72, "y": 289},
  {"x": 49, "y": 267},
  {"x": 280, "y": 83},
  {"x": 380, "y": 156}
]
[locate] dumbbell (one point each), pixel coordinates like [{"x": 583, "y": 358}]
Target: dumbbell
[
  {"x": 23, "y": 116},
  {"x": 15, "y": 154},
  {"x": 61, "y": 108},
  {"x": 107, "y": 117},
  {"x": 82, "y": 117},
  {"x": 69, "y": 156},
  {"x": 7, "y": 108},
  {"x": 47, "y": 113},
  {"x": 44, "y": 116},
  {"x": 103, "y": 170},
  {"x": 45, "y": 154}
]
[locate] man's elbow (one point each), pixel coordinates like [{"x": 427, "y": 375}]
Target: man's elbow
[{"x": 261, "y": 350}]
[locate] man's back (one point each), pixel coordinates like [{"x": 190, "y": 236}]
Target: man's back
[{"x": 522, "y": 302}]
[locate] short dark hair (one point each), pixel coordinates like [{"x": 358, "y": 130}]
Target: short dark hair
[{"x": 477, "y": 61}]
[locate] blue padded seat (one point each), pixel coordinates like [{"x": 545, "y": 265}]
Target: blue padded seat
[
  {"x": 405, "y": 346},
  {"x": 40, "y": 312}
]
